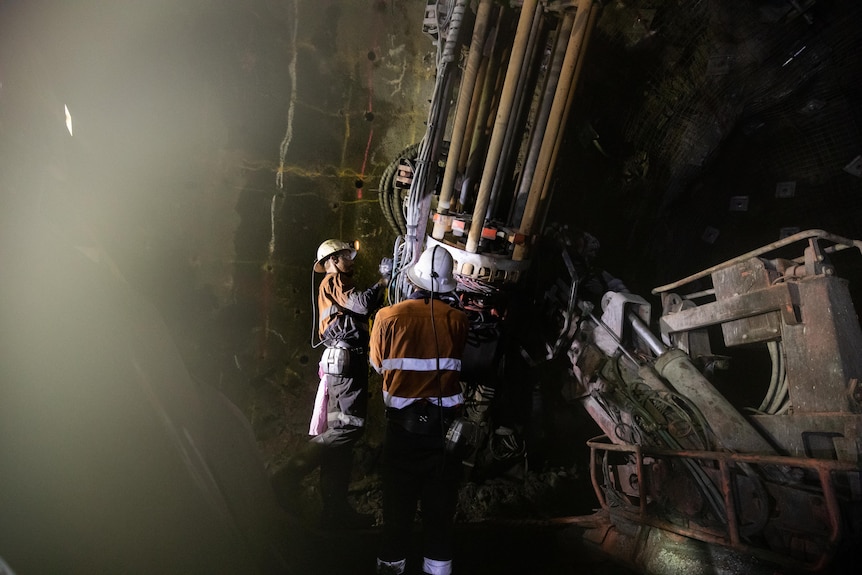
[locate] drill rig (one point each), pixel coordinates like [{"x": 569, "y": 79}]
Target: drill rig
[
  {"x": 685, "y": 472},
  {"x": 689, "y": 477}
]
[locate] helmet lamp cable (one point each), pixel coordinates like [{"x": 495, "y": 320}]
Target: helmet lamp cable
[
  {"x": 314, "y": 314},
  {"x": 434, "y": 276}
]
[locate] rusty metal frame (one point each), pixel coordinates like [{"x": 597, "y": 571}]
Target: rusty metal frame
[
  {"x": 823, "y": 467},
  {"x": 781, "y": 298},
  {"x": 841, "y": 243}
]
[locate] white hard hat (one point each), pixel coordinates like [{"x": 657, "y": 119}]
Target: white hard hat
[
  {"x": 433, "y": 271},
  {"x": 328, "y": 248}
]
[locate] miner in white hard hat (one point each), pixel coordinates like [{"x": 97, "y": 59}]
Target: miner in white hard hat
[{"x": 338, "y": 420}]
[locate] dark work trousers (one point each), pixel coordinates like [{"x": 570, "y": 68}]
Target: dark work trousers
[
  {"x": 347, "y": 408},
  {"x": 416, "y": 470}
]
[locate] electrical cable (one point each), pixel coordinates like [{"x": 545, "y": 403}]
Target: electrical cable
[
  {"x": 391, "y": 203},
  {"x": 443, "y": 429},
  {"x": 383, "y": 195},
  {"x": 419, "y": 186},
  {"x": 662, "y": 436},
  {"x": 773, "y": 379},
  {"x": 564, "y": 340},
  {"x": 781, "y": 395},
  {"x": 399, "y": 206},
  {"x": 511, "y": 447},
  {"x": 434, "y": 331},
  {"x": 314, "y": 327},
  {"x": 399, "y": 285}
]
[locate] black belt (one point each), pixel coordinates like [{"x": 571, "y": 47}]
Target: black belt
[
  {"x": 423, "y": 417},
  {"x": 342, "y": 345}
]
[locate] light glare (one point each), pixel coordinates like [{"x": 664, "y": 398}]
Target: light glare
[{"x": 68, "y": 120}]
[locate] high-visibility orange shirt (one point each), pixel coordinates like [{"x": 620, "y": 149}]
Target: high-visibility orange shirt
[
  {"x": 419, "y": 358},
  {"x": 344, "y": 310}
]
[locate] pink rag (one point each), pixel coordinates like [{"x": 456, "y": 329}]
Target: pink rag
[{"x": 318, "y": 415}]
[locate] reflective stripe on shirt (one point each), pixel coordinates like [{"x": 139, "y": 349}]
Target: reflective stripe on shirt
[
  {"x": 390, "y": 400},
  {"x": 418, "y": 364}
]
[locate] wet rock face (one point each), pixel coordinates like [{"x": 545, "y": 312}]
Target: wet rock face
[
  {"x": 318, "y": 119},
  {"x": 221, "y": 143}
]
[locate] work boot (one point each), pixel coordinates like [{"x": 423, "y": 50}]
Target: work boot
[
  {"x": 391, "y": 567},
  {"x": 287, "y": 481}
]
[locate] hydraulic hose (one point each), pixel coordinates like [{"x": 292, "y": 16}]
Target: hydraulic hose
[
  {"x": 773, "y": 379},
  {"x": 390, "y": 194},
  {"x": 643, "y": 414},
  {"x": 384, "y": 195}
]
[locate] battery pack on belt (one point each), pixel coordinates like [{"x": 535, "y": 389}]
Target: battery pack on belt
[{"x": 423, "y": 417}]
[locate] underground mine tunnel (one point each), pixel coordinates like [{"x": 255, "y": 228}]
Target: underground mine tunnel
[{"x": 654, "y": 209}]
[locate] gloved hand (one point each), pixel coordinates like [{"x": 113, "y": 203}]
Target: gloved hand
[{"x": 386, "y": 268}]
